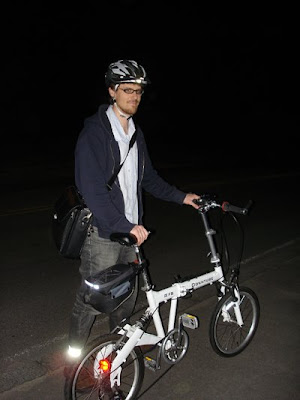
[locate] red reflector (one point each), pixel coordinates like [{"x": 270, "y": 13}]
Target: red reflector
[{"x": 104, "y": 365}]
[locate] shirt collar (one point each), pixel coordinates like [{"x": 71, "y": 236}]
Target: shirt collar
[{"x": 118, "y": 131}]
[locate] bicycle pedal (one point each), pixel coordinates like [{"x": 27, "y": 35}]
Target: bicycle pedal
[
  {"x": 150, "y": 363},
  {"x": 189, "y": 321}
]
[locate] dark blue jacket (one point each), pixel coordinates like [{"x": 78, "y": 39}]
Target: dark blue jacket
[{"x": 96, "y": 156}]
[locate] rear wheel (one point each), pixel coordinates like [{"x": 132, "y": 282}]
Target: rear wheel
[
  {"x": 85, "y": 382},
  {"x": 227, "y": 337}
]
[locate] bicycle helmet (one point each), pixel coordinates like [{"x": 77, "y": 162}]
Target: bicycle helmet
[{"x": 126, "y": 71}]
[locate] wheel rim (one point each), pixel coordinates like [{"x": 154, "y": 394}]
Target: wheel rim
[
  {"x": 89, "y": 384},
  {"x": 229, "y": 336}
]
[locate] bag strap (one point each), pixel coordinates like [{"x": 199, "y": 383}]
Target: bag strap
[{"x": 117, "y": 170}]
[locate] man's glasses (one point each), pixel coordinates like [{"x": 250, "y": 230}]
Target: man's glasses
[{"x": 130, "y": 91}]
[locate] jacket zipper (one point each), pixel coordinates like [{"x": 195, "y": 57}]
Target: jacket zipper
[{"x": 113, "y": 169}]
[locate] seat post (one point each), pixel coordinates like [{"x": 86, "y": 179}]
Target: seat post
[{"x": 144, "y": 270}]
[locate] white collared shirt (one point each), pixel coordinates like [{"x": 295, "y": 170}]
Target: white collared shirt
[{"x": 128, "y": 175}]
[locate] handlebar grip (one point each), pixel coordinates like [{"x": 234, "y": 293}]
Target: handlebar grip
[
  {"x": 238, "y": 210},
  {"x": 249, "y": 205}
]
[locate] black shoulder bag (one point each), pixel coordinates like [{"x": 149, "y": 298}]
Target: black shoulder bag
[{"x": 71, "y": 218}]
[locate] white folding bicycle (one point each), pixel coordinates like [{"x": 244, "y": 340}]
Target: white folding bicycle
[{"x": 113, "y": 365}]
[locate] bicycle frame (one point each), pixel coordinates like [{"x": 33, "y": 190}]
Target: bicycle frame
[
  {"x": 135, "y": 333},
  {"x": 117, "y": 360}
]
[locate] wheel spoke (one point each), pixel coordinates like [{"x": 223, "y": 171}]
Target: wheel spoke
[
  {"x": 227, "y": 337},
  {"x": 88, "y": 382}
]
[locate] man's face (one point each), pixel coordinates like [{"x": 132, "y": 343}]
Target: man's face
[{"x": 126, "y": 101}]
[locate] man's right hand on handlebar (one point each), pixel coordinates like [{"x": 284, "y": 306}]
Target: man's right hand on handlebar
[{"x": 140, "y": 233}]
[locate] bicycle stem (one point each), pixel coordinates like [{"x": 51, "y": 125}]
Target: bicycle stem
[{"x": 209, "y": 232}]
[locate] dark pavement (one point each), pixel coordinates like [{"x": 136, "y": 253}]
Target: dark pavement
[
  {"x": 32, "y": 349},
  {"x": 268, "y": 369}
]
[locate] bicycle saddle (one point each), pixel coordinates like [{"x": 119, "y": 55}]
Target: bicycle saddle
[{"x": 125, "y": 239}]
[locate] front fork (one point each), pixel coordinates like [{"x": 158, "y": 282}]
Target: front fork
[
  {"x": 235, "y": 302},
  {"x": 231, "y": 286}
]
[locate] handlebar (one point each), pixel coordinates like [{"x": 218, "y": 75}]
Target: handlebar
[
  {"x": 238, "y": 210},
  {"x": 207, "y": 202}
]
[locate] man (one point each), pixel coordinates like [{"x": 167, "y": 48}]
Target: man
[{"x": 102, "y": 145}]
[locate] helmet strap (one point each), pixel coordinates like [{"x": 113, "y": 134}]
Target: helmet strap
[{"x": 122, "y": 114}]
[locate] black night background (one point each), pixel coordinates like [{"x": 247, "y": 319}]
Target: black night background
[
  {"x": 221, "y": 116},
  {"x": 224, "y": 89}
]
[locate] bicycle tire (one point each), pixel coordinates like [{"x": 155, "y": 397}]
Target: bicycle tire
[
  {"x": 81, "y": 383},
  {"x": 227, "y": 338}
]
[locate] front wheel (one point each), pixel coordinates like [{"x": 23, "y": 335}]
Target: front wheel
[
  {"x": 229, "y": 336},
  {"x": 85, "y": 382}
]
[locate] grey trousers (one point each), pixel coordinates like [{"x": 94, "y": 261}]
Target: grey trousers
[{"x": 97, "y": 255}]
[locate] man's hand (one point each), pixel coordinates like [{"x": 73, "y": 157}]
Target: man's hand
[
  {"x": 189, "y": 200},
  {"x": 140, "y": 233}
]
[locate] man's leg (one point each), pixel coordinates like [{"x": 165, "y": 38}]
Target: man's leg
[
  {"x": 97, "y": 255},
  {"x": 82, "y": 319}
]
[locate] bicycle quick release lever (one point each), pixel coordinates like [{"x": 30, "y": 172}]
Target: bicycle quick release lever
[{"x": 229, "y": 207}]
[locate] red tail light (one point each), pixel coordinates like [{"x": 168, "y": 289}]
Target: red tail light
[{"x": 104, "y": 365}]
